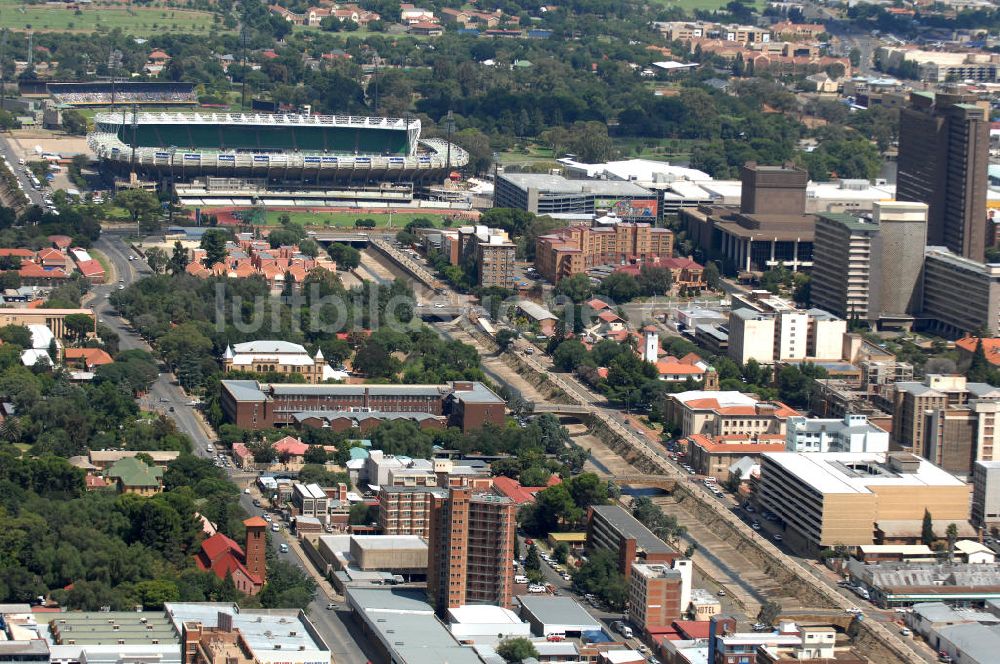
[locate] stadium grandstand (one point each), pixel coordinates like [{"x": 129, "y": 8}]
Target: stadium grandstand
[
  {"x": 102, "y": 93},
  {"x": 299, "y": 150}
]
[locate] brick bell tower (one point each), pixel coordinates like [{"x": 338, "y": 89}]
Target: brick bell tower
[{"x": 256, "y": 547}]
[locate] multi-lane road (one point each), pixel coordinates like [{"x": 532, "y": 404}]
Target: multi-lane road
[
  {"x": 335, "y": 625},
  {"x": 12, "y": 155},
  {"x": 164, "y": 395}
]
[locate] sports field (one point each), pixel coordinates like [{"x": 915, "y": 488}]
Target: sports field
[
  {"x": 347, "y": 219},
  {"x": 708, "y": 5},
  {"x": 139, "y": 21}
]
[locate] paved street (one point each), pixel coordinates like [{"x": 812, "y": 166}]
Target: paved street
[
  {"x": 8, "y": 151},
  {"x": 164, "y": 396},
  {"x": 334, "y": 625}
]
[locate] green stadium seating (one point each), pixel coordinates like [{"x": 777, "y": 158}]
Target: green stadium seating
[{"x": 333, "y": 140}]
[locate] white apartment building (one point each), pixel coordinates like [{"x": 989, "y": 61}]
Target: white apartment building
[
  {"x": 767, "y": 329},
  {"x": 852, "y": 434},
  {"x": 310, "y": 500}
]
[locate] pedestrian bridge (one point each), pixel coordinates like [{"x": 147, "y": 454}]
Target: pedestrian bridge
[
  {"x": 664, "y": 482},
  {"x": 561, "y": 408}
]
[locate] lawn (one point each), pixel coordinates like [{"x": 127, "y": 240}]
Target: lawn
[
  {"x": 347, "y": 219},
  {"x": 691, "y": 5},
  {"x": 139, "y": 21}
]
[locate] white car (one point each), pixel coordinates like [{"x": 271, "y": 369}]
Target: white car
[{"x": 535, "y": 589}]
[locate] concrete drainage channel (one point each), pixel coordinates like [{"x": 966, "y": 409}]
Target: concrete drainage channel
[{"x": 873, "y": 640}]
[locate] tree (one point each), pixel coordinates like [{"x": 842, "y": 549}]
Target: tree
[
  {"x": 18, "y": 335},
  {"x": 927, "y": 535},
  {"x": 156, "y": 258},
  {"x": 142, "y": 206},
  {"x": 531, "y": 560},
  {"x": 769, "y": 612},
  {"x": 569, "y": 354},
  {"x": 213, "y": 242},
  {"x": 620, "y": 287},
  {"x": 516, "y": 649},
  {"x": 345, "y": 256},
  {"x": 979, "y": 369},
  {"x": 561, "y": 552},
  {"x": 178, "y": 259},
  {"x": 74, "y": 122},
  {"x": 951, "y": 532},
  {"x": 712, "y": 276},
  {"x": 79, "y": 325},
  {"x": 374, "y": 360},
  {"x": 654, "y": 280},
  {"x": 315, "y": 454},
  {"x": 505, "y": 338},
  {"x": 309, "y": 247},
  {"x": 577, "y": 287}
]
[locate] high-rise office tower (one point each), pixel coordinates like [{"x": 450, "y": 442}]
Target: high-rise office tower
[
  {"x": 943, "y": 156},
  {"x": 471, "y": 549},
  {"x": 870, "y": 267}
]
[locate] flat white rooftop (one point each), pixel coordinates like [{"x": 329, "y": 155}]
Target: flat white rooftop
[
  {"x": 482, "y": 614},
  {"x": 850, "y": 472}
]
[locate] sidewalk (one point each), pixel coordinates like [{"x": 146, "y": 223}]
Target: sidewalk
[{"x": 321, "y": 582}]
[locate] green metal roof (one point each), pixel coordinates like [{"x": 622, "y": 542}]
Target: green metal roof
[{"x": 133, "y": 472}]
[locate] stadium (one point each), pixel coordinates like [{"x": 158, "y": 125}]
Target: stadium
[
  {"x": 276, "y": 151},
  {"x": 101, "y": 93}
]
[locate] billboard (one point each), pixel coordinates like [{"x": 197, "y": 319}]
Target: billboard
[{"x": 630, "y": 209}]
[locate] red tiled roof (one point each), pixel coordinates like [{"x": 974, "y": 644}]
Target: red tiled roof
[
  {"x": 90, "y": 268},
  {"x": 218, "y": 544},
  {"x": 222, "y": 556},
  {"x": 679, "y": 263},
  {"x": 92, "y": 357},
  {"x": 597, "y": 305},
  {"x": 255, "y": 522},
  {"x": 697, "y": 404},
  {"x": 61, "y": 241},
  {"x": 729, "y": 444},
  {"x": 21, "y": 253},
  {"x": 33, "y": 270},
  {"x": 518, "y": 493},
  {"x": 691, "y": 358},
  {"x": 608, "y": 316},
  {"x": 693, "y": 629},
  {"x": 50, "y": 253},
  {"x": 240, "y": 450},
  {"x": 672, "y": 365},
  {"x": 290, "y": 445},
  {"x": 991, "y": 348}
]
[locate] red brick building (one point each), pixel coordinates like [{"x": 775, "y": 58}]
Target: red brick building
[
  {"x": 658, "y": 594},
  {"x": 225, "y": 558},
  {"x": 253, "y": 405},
  {"x": 471, "y": 549}
]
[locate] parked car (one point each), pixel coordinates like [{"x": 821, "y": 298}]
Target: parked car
[{"x": 906, "y": 631}]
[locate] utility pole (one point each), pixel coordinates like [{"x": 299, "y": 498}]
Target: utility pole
[
  {"x": 243, "y": 97},
  {"x": 449, "y": 126},
  {"x": 3, "y": 72},
  {"x": 135, "y": 126},
  {"x": 375, "y": 79},
  {"x": 114, "y": 60}
]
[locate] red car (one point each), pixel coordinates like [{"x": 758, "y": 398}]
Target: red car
[
  {"x": 555, "y": 637},
  {"x": 529, "y": 541}
]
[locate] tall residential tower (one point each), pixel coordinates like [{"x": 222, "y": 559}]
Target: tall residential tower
[{"x": 944, "y": 142}]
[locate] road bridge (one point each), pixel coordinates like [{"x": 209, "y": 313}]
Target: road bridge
[
  {"x": 359, "y": 239},
  {"x": 659, "y": 481},
  {"x": 438, "y": 313}
]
